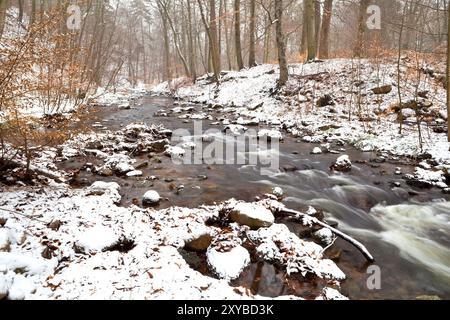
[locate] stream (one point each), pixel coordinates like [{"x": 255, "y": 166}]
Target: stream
[{"x": 406, "y": 229}]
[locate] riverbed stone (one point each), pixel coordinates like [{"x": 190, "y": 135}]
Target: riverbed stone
[
  {"x": 253, "y": 215},
  {"x": 124, "y": 168},
  {"x": 151, "y": 198},
  {"x": 104, "y": 171},
  {"x": 278, "y": 192},
  {"x": 135, "y": 173},
  {"x": 342, "y": 164},
  {"x": 324, "y": 235},
  {"x": 199, "y": 243},
  {"x": 382, "y": 89}
]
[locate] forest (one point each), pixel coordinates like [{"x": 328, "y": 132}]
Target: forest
[{"x": 224, "y": 150}]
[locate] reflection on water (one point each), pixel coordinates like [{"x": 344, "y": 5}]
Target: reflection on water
[{"x": 404, "y": 229}]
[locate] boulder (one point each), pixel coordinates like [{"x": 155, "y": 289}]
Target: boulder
[
  {"x": 382, "y": 90},
  {"x": 316, "y": 150},
  {"x": 253, "y": 215}
]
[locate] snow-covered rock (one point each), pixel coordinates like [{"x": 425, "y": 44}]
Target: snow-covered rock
[
  {"x": 96, "y": 239},
  {"x": 408, "y": 113},
  {"x": 174, "y": 152},
  {"x": 443, "y": 114},
  {"x": 248, "y": 122},
  {"x": 4, "y": 240},
  {"x": 343, "y": 164},
  {"x": 151, "y": 198},
  {"x": 329, "y": 270},
  {"x": 270, "y": 134},
  {"x": 104, "y": 171},
  {"x": 277, "y": 244},
  {"x": 423, "y": 178},
  {"x": 331, "y": 294},
  {"x": 112, "y": 189},
  {"x": 21, "y": 288},
  {"x": 124, "y": 168},
  {"x": 235, "y": 129},
  {"x": 135, "y": 173},
  {"x": 5, "y": 284},
  {"x": 316, "y": 150},
  {"x": 252, "y": 214},
  {"x": 325, "y": 236},
  {"x": 278, "y": 192},
  {"x": 228, "y": 265}
]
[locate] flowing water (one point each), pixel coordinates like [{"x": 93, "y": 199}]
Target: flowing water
[{"x": 407, "y": 230}]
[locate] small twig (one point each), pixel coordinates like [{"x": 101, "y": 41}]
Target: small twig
[{"x": 330, "y": 245}]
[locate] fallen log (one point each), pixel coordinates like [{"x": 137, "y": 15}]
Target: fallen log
[
  {"x": 38, "y": 171},
  {"x": 338, "y": 233}
]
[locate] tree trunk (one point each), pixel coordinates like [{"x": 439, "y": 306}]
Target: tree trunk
[
  {"x": 20, "y": 17},
  {"x": 325, "y": 32},
  {"x": 175, "y": 38},
  {"x": 191, "y": 47},
  {"x": 252, "y": 52},
  {"x": 33, "y": 11},
  {"x": 304, "y": 43},
  {"x": 167, "y": 74},
  {"x": 215, "y": 52},
  {"x": 267, "y": 40},
  {"x": 3, "y": 7},
  {"x": 237, "y": 33},
  {"x": 210, "y": 38},
  {"x": 311, "y": 38},
  {"x": 448, "y": 73},
  {"x": 359, "y": 48},
  {"x": 227, "y": 35},
  {"x": 317, "y": 22},
  {"x": 284, "y": 72}
]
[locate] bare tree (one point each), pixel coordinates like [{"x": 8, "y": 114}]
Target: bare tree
[
  {"x": 252, "y": 31},
  {"x": 448, "y": 72},
  {"x": 325, "y": 31},
  {"x": 237, "y": 33},
  {"x": 281, "y": 44},
  {"x": 363, "y": 4},
  {"x": 212, "y": 38},
  {"x": 310, "y": 26}
]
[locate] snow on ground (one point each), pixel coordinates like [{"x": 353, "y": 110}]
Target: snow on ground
[
  {"x": 67, "y": 244},
  {"x": 337, "y": 100}
]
